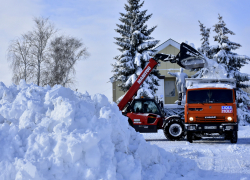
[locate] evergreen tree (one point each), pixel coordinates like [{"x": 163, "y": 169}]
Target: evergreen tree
[
  {"x": 204, "y": 49},
  {"x": 233, "y": 62},
  {"x": 135, "y": 45}
]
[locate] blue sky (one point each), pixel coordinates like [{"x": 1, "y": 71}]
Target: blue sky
[{"x": 94, "y": 22}]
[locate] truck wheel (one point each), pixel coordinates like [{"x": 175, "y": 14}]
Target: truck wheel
[
  {"x": 234, "y": 137},
  {"x": 174, "y": 130},
  {"x": 190, "y": 137}
]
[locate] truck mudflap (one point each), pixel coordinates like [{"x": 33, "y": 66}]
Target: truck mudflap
[
  {"x": 145, "y": 128},
  {"x": 211, "y": 128}
]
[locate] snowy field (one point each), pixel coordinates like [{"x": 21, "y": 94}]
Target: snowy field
[
  {"x": 56, "y": 133},
  {"x": 217, "y": 157}
]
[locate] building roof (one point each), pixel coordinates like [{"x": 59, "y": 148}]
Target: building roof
[{"x": 167, "y": 43}]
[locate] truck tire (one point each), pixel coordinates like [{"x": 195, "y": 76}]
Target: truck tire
[
  {"x": 189, "y": 137},
  {"x": 174, "y": 130},
  {"x": 234, "y": 137}
]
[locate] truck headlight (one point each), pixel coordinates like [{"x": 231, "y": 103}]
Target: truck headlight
[
  {"x": 191, "y": 119},
  {"x": 229, "y": 118}
]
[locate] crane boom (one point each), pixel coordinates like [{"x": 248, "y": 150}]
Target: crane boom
[{"x": 134, "y": 88}]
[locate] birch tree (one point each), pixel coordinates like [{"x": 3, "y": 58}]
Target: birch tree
[
  {"x": 39, "y": 39},
  {"x": 19, "y": 58},
  {"x": 41, "y": 57},
  {"x": 64, "y": 53}
]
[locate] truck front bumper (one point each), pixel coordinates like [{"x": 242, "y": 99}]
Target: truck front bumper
[{"x": 211, "y": 128}]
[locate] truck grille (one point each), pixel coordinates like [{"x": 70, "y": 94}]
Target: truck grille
[{"x": 217, "y": 119}]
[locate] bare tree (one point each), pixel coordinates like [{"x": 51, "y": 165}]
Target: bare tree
[
  {"x": 38, "y": 58},
  {"x": 19, "y": 57},
  {"x": 64, "y": 53},
  {"x": 39, "y": 39}
]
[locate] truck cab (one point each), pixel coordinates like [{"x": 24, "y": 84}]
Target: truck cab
[
  {"x": 145, "y": 115},
  {"x": 210, "y": 111}
]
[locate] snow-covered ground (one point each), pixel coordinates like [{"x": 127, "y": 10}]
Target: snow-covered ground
[
  {"x": 217, "y": 157},
  {"x": 56, "y": 133}
]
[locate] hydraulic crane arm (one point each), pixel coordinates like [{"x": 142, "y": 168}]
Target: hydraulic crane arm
[
  {"x": 141, "y": 78},
  {"x": 187, "y": 58},
  {"x": 134, "y": 88}
]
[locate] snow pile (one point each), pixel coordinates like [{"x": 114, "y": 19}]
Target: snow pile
[
  {"x": 56, "y": 133},
  {"x": 214, "y": 70},
  {"x": 211, "y": 69}
]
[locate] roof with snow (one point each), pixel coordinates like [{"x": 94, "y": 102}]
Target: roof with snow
[{"x": 167, "y": 43}]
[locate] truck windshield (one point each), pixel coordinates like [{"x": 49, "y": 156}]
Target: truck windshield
[
  {"x": 210, "y": 96},
  {"x": 145, "y": 107}
]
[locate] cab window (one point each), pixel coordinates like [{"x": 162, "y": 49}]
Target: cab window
[
  {"x": 210, "y": 96},
  {"x": 137, "y": 107},
  {"x": 145, "y": 107},
  {"x": 150, "y": 107}
]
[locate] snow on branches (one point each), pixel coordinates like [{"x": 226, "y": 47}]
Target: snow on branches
[
  {"x": 205, "y": 39},
  {"x": 222, "y": 54},
  {"x": 136, "y": 47}
]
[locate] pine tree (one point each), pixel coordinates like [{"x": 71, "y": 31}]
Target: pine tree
[
  {"x": 135, "y": 45},
  {"x": 233, "y": 62},
  {"x": 204, "y": 49}
]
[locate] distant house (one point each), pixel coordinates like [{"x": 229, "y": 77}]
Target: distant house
[{"x": 167, "y": 89}]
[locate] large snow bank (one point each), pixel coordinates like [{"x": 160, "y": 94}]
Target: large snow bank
[{"x": 56, "y": 133}]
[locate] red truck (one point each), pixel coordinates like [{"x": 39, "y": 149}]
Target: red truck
[{"x": 211, "y": 111}]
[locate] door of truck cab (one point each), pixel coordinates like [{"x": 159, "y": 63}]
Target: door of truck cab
[{"x": 145, "y": 114}]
